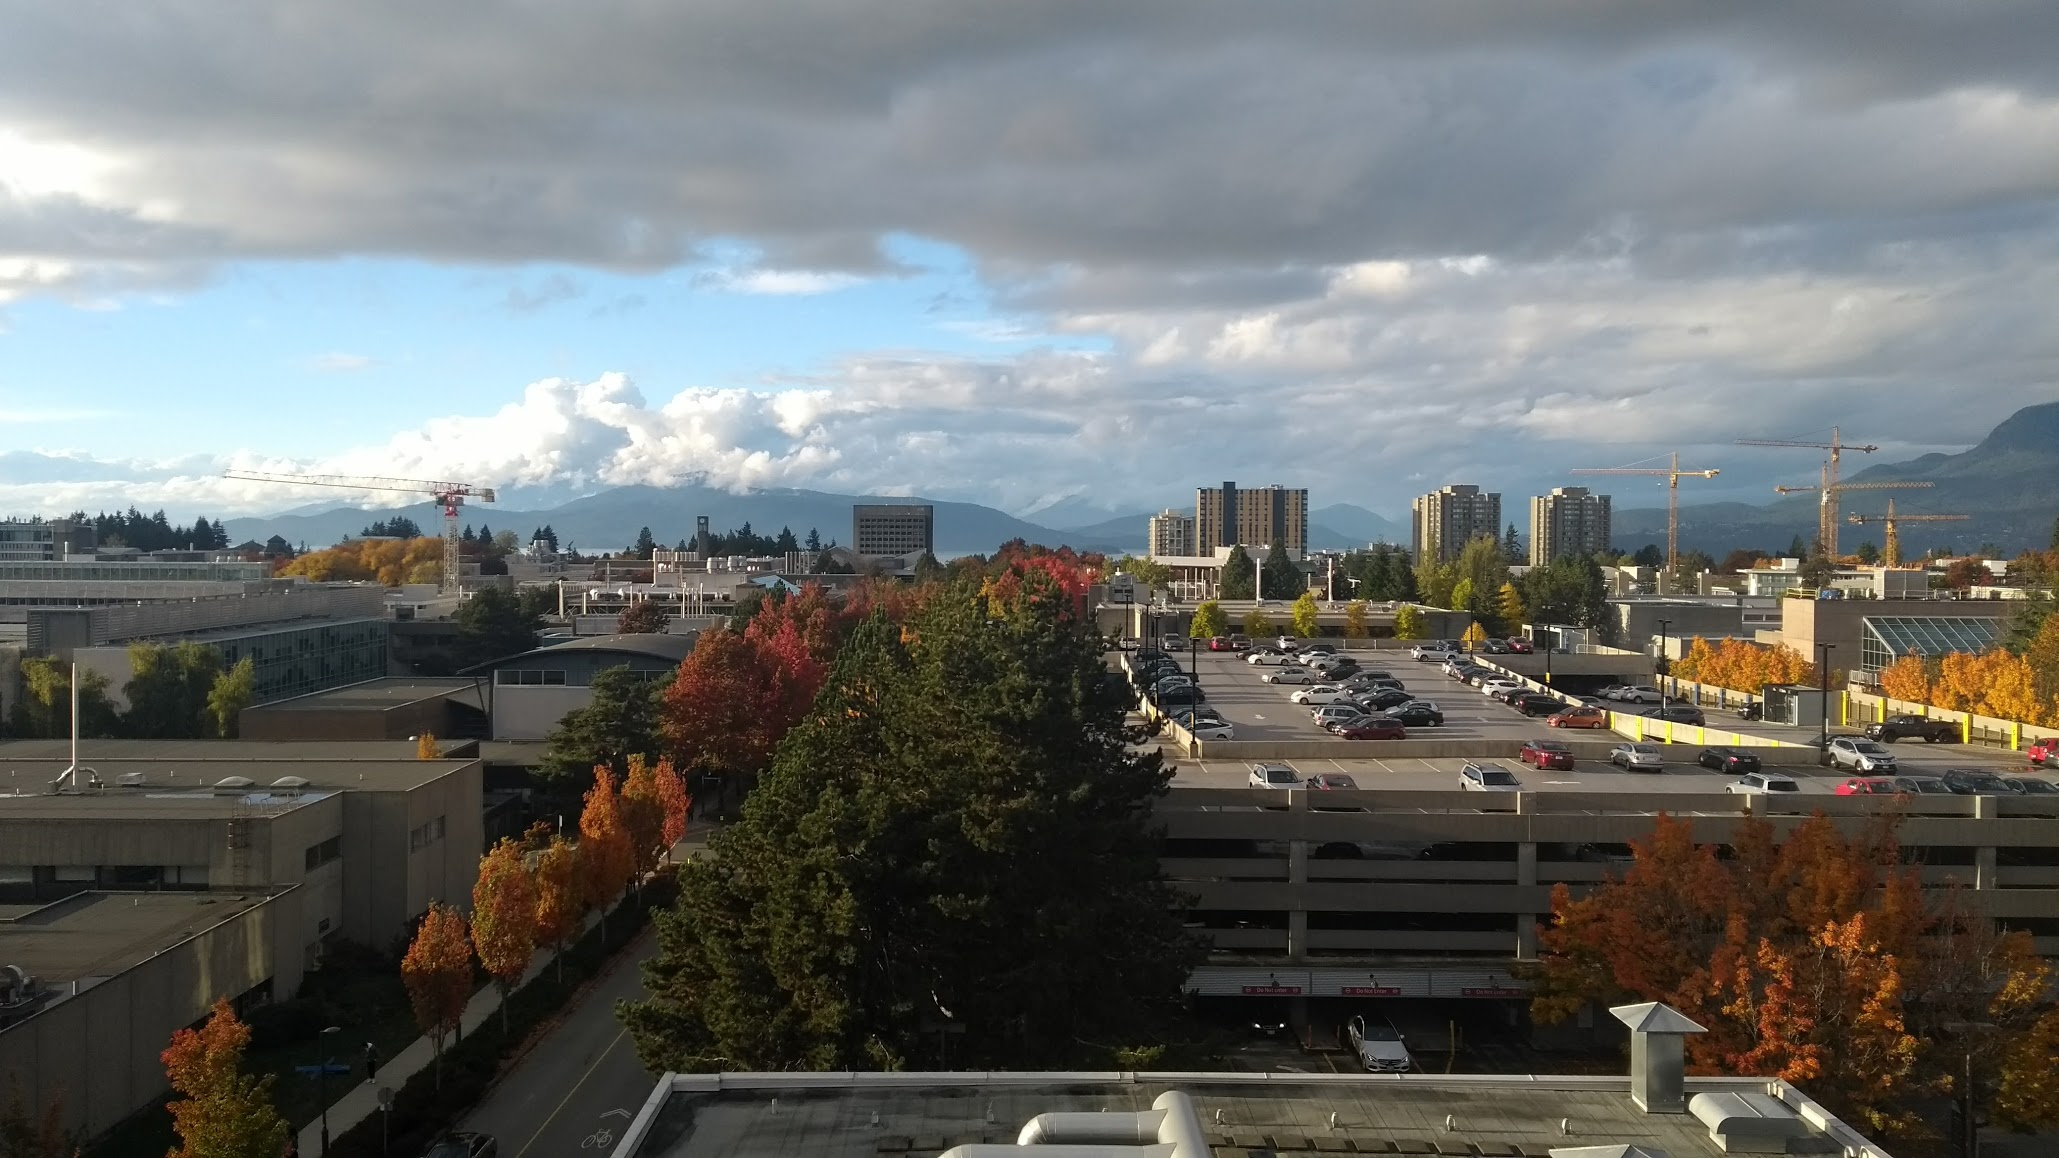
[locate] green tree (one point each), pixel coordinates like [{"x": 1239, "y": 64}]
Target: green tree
[
  {"x": 1816, "y": 570},
  {"x": 1355, "y": 619},
  {"x": 873, "y": 891},
  {"x": 1510, "y": 608},
  {"x": 1209, "y": 621},
  {"x": 1305, "y": 616},
  {"x": 1434, "y": 582},
  {"x": 1257, "y": 623},
  {"x": 1511, "y": 547},
  {"x": 785, "y": 543},
  {"x": 643, "y": 617},
  {"x": 230, "y": 693},
  {"x": 620, "y": 721},
  {"x": 44, "y": 710},
  {"x": 814, "y": 540},
  {"x": 1410, "y": 622},
  {"x": 1281, "y": 575},
  {"x": 1239, "y": 578},
  {"x": 644, "y": 546},
  {"x": 1868, "y": 553},
  {"x": 492, "y": 624},
  {"x": 927, "y": 569},
  {"x": 1797, "y": 548},
  {"x": 168, "y": 694},
  {"x": 1149, "y": 572},
  {"x": 1462, "y": 596},
  {"x": 1649, "y": 555},
  {"x": 1481, "y": 562},
  {"x": 2027, "y": 621}
]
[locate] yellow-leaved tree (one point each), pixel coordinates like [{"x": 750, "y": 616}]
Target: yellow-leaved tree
[
  {"x": 1906, "y": 679},
  {"x": 1306, "y": 623},
  {"x": 560, "y": 896},
  {"x": 437, "y": 972},
  {"x": 1209, "y": 621},
  {"x": 504, "y": 917},
  {"x": 225, "y": 1112},
  {"x": 1355, "y": 619}
]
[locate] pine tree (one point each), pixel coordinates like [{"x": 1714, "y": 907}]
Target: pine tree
[
  {"x": 225, "y": 1113},
  {"x": 437, "y": 972},
  {"x": 814, "y": 541},
  {"x": 644, "y": 546},
  {"x": 785, "y": 543},
  {"x": 504, "y": 918},
  {"x": 1238, "y": 579},
  {"x": 1281, "y": 575}
]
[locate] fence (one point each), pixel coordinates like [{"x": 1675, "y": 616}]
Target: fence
[
  {"x": 1865, "y": 708},
  {"x": 1638, "y": 727}
]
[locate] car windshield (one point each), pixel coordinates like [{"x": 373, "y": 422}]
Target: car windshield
[
  {"x": 1382, "y": 1032},
  {"x": 1336, "y": 781},
  {"x": 1281, "y": 776},
  {"x": 1550, "y": 746},
  {"x": 1497, "y": 777},
  {"x": 1782, "y": 786},
  {"x": 1643, "y": 750},
  {"x": 1870, "y": 749},
  {"x": 450, "y": 1149}
]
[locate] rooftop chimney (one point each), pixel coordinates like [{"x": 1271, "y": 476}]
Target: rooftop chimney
[{"x": 1658, "y": 1061}]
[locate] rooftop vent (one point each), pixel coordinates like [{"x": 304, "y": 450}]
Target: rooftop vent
[
  {"x": 291, "y": 782},
  {"x": 131, "y": 780},
  {"x": 1169, "y": 1129},
  {"x": 234, "y": 782},
  {"x": 1658, "y": 1055},
  {"x": 1748, "y": 1123}
]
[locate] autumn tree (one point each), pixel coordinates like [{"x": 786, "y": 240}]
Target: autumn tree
[
  {"x": 1355, "y": 619},
  {"x": 504, "y": 917},
  {"x": 1907, "y": 678},
  {"x": 560, "y": 896},
  {"x": 1209, "y": 621},
  {"x": 224, "y": 1112},
  {"x": 643, "y": 816},
  {"x": 1510, "y": 607},
  {"x": 389, "y": 563},
  {"x": 2042, "y": 659},
  {"x": 1410, "y": 622},
  {"x": 1475, "y": 636},
  {"x": 722, "y": 712},
  {"x": 437, "y": 972},
  {"x": 426, "y": 747},
  {"x": 675, "y": 805},
  {"x": 644, "y": 617},
  {"x": 1742, "y": 666},
  {"x": 605, "y": 856},
  {"x": 2028, "y": 1097},
  {"x": 25, "y": 1133},
  {"x": 1306, "y": 624}
]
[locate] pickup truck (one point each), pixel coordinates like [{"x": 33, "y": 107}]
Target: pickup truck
[{"x": 1912, "y": 728}]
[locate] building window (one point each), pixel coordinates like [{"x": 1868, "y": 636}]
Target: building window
[
  {"x": 321, "y": 854},
  {"x": 426, "y": 835},
  {"x": 525, "y": 678}
]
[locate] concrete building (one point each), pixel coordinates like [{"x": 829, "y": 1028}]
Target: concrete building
[
  {"x": 392, "y": 708},
  {"x": 1227, "y": 516},
  {"x": 1780, "y": 576},
  {"x": 1570, "y": 521},
  {"x": 893, "y": 528},
  {"x": 1869, "y": 634},
  {"x": 1446, "y": 520},
  {"x": 34, "y": 540},
  {"x": 1171, "y": 535},
  {"x": 290, "y": 659},
  {"x": 528, "y": 694}
]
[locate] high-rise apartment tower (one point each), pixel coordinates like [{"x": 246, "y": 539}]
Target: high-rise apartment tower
[
  {"x": 1568, "y": 521},
  {"x": 1445, "y": 520},
  {"x": 1226, "y": 516}
]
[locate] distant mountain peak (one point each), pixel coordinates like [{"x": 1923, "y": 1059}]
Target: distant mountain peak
[{"x": 2033, "y": 428}]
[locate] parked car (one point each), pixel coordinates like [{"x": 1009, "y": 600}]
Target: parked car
[
  {"x": 1287, "y": 643},
  {"x": 1867, "y": 786},
  {"x": 1275, "y": 776},
  {"x": 2032, "y": 786},
  {"x": 1581, "y": 717},
  {"x": 1377, "y": 1045},
  {"x": 1174, "y": 643},
  {"x": 1324, "y": 661},
  {"x": 1921, "y": 786},
  {"x": 1638, "y": 694},
  {"x": 1380, "y": 699},
  {"x": 1499, "y": 685},
  {"x": 1677, "y": 713},
  {"x": 1912, "y": 727},
  {"x": 1538, "y": 704},
  {"x": 463, "y": 1144},
  {"x": 1416, "y": 715},
  {"x": 1509, "y": 696},
  {"x": 1290, "y": 675},
  {"x": 2044, "y": 752},
  {"x": 1379, "y": 683},
  {"x": 1198, "y": 715},
  {"x": 1221, "y": 643},
  {"x": 1329, "y": 714},
  {"x": 1332, "y": 782},
  {"x": 1608, "y": 691},
  {"x": 1318, "y": 694},
  {"x": 1267, "y": 658},
  {"x": 1431, "y": 652},
  {"x": 1179, "y": 697},
  {"x": 1488, "y": 778},
  {"x": 1318, "y": 649},
  {"x": 1975, "y": 782},
  {"x": 1546, "y": 754},
  {"x": 1638, "y": 758},
  {"x": 1212, "y": 730},
  {"x": 1372, "y": 728},
  {"x": 1762, "y": 784},
  {"x": 1859, "y": 755},
  {"x": 1494, "y": 647},
  {"x": 1344, "y": 668},
  {"x": 1728, "y": 760},
  {"x": 1521, "y": 646}
]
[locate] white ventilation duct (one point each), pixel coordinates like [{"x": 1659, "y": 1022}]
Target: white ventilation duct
[
  {"x": 1658, "y": 1062},
  {"x": 1169, "y": 1129}
]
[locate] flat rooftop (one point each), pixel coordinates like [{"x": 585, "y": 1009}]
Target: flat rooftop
[
  {"x": 381, "y": 694},
  {"x": 268, "y": 751},
  {"x": 162, "y": 774},
  {"x": 93, "y": 935},
  {"x": 165, "y": 803},
  {"x": 920, "y": 1115}
]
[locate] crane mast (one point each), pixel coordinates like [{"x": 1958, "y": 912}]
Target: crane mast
[{"x": 1672, "y": 474}]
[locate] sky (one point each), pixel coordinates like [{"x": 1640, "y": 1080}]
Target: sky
[{"x": 1011, "y": 253}]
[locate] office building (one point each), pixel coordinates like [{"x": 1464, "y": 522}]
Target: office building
[
  {"x": 1569, "y": 521},
  {"x": 1227, "y": 516},
  {"x": 893, "y": 528},
  {"x": 1446, "y": 520},
  {"x": 40, "y": 540},
  {"x": 528, "y": 694},
  {"x": 1172, "y": 535}
]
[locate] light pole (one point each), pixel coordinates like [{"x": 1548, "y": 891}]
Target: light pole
[
  {"x": 322, "y": 1080},
  {"x": 1823, "y": 651},
  {"x": 1665, "y": 666},
  {"x": 1551, "y": 635}
]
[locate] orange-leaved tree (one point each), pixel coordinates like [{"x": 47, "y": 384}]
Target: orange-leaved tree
[
  {"x": 560, "y": 896},
  {"x": 1907, "y": 678},
  {"x": 721, "y": 713},
  {"x": 674, "y": 801},
  {"x": 605, "y": 857},
  {"x": 643, "y": 816},
  {"x": 438, "y": 974},
  {"x": 388, "y": 562},
  {"x": 426, "y": 747},
  {"x": 225, "y": 1112},
  {"x": 504, "y": 917},
  {"x": 1742, "y": 666}
]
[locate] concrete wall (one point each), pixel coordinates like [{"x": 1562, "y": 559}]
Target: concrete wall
[
  {"x": 388, "y": 883},
  {"x": 529, "y": 712},
  {"x": 97, "y": 1052},
  {"x": 282, "y": 721}
]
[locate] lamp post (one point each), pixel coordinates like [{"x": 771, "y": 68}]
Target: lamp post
[
  {"x": 322, "y": 1080},
  {"x": 1550, "y": 636},
  {"x": 1823, "y": 651},
  {"x": 1665, "y": 665}
]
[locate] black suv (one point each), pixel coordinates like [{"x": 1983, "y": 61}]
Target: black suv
[
  {"x": 1679, "y": 714},
  {"x": 1538, "y": 704},
  {"x": 1912, "y": 728}
]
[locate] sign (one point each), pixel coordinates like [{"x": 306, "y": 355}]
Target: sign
[
  {"x": 1492, "y": 991},
  {"x": 1272, "y": 991},
  {"x": 1370, "y": 990}
]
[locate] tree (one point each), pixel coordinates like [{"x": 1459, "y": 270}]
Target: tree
[
  {"x": 437, "y": 972},
  {"x": 1510, "y": 607},
  {"x": 2041, "y": 657},
  {"x": 1649, "y": 555},
  {"x": 426, "y": 747},
  {"x": 504, "y": 918},
  {"x": 230, "y": 693},
  {"x": 785, "y": 543},
  {"x": 390, "y": 562},
  {"x": 2024, "y": 624},
  {"x": 225, "y": 1113},
  {"x": 1868, "y": 553},
  {"x": 1256, "y": 623},
  {"x": 814, "y": 541},
  {"x": 1475, "y": 636},
  {"x": 1280, "y": 575},
  {"x": 1306, "y": 624},
  {"x": 643, "y": 816},
  {"x": 1410, "y": 622},
  {"x": 949, "y": 751},
  {"x": 1435, "y": 582},
  {"x": 1209, "y": 621},
  {"x": 643, "y": 617},
  {"x": 1797, "y": 548},
  {"x": 606, "y": 859},
  {"x": 44, "y": 710},
  {"x": 494, "y": 624},
  {"x": 645, "y": 546},
  {"x": 560, "y": 896},
  {"x": 1462, "y": 596},
  {"x": 2029, "y": 1095},
  {"x": 720, "y": 713},
  {"x": 621, "y": 721},
  {"x": 1149, "y": 572},
  {"x": 1817, "y": 570},
  {"x": 27, "y": 1134},
  {"x": 398, "y": 527},
  {"x": 1355, "y": 619},
  {"x": 674, "y": 805},
  {"x": 1907, "y": 678},
  {"x": 1239, "y": 576},
  {"x": 1512, "y": 547},
  {"x": 168, "y": 694},
  {"x": 927, "y": 569}
]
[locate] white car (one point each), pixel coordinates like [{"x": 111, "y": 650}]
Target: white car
[
  {"x": 1762, "y": 784},
  {"x": 1274, "y": 776},
  {"x": 1378, "y": 1045},
  {"x": 1289, "y": 675},
  {"x": 1318, "y": 694},
  {"x": 1174, "y": 643},
  {"x": 1268, "y": 659},
  {"x": 1488, "y": 778},
  {"x": 1640, "y": 694},
  {"x": 1857, "y": 755},
  {"x": 1212, "y": 730},
  {"x": 1323, "y": 661},
  {"x": 1638, "y": 758},
  {"x": 1430, "y": 651},
  {"x": 1495, "y": 687},
  {"x": 1287, "y": 643}
]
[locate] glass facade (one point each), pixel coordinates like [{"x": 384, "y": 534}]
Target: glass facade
[
  {"x": 296, "y": 660},
  {"x": 1887, "y": 638}
]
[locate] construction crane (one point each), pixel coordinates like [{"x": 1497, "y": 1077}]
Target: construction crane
[
  {"x": 1891, "y": 554},
  {"x": 1826, "y": 511},
  {"x": 1672, "y": 474},
  {"x": 1826, "y": 503},
  {"x": 451, "y": 494}
]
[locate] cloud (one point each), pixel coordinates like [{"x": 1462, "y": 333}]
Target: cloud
[{"x": 779, "y": 282}]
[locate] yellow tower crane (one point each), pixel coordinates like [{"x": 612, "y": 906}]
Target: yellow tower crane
[
  {"x": 1672, "y": 474},
  {"x": 1891, "y": 554},
  {"x": 451, "y": 494},
  {"x": 1826, "y": 507},
  {"x": 1828, "y": 501}
]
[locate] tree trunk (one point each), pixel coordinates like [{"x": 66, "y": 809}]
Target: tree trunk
[{"x": 503, "y": 1006}]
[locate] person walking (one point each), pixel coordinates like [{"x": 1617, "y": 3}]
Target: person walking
[{"x": 371, "y": 1060}]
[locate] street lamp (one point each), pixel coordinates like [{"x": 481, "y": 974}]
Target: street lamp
[
  {"x": 1549, "y": 635},
  {"x": 1823, "y": 651},
  {"x": 1665, "y": 666},
  {"x": 322, "y": 1080}
]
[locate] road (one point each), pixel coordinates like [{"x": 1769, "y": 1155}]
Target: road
[{"x": 577, "y": 1089}]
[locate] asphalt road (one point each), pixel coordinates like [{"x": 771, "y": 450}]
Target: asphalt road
[{"x": 577, "y": 1089}]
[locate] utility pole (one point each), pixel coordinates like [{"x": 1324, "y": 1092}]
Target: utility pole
[{"x": 1823, "y": 651}]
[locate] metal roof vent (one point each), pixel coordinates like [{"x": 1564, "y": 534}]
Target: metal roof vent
[
  {"x": 1658, "y": 1055},
  {"x": 1170, "y": 1129},
  {"x": 132, "y": 780},
  {"x": 234, "y": 782},
  {"x": 291, "y": 782}
]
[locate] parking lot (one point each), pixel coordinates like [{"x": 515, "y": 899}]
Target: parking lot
[{"x": 1263, "y": 711}]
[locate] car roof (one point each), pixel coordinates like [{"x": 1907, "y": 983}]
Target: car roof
[{"x": 1550, "y": 745}]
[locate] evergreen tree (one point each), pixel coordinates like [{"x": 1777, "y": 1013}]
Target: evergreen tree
[
  {"x": 814, "y": 542},
  {"x": 785, "y": 543},
  {"x": 927, "y": 569},
  {"x": 1797, "y": 548},
  {"x": 1511, "y": 547},
  {"x": 1281, "y": 575},
  {"x": 492, "y": 624},
  {"x": 620, "y": 721},
  {"x": 1239, "y": 577},
  {"x": 645, "y": 546},
  {"x": 467, "y": 536}
]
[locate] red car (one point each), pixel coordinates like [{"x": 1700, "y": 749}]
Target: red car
[
  {"x": 1867, "y": 786},
  {"x": 1579, "y": 718},
  {"x": 1373, "y": 730},
  {"x": 1519, "y": 645},
  {"x": 1546, "y": 754},
  {"x": 2044, "y": 752},
  {"x": 1221, "y": 643}
]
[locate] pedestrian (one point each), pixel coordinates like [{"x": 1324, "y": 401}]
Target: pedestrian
[
  {"x": 371, "y": 1060},
  {"x": 291, "y": 1149}
]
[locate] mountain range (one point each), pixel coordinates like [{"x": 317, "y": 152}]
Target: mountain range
[{"x": 2008, "y": 484}]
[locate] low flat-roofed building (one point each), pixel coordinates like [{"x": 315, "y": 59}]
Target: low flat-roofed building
[
  {"x": 391, "y": 708},
  {"x": 529, "y": 693}
]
